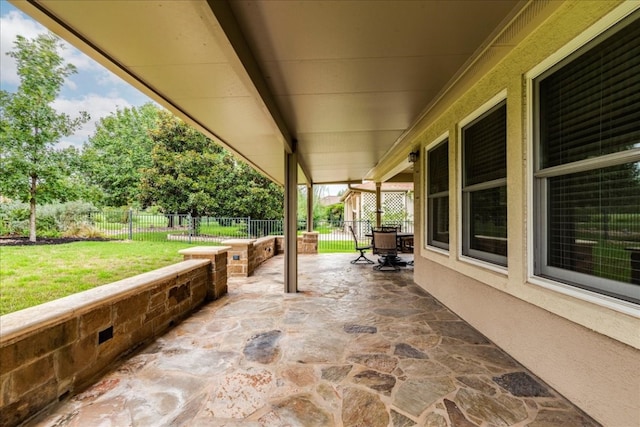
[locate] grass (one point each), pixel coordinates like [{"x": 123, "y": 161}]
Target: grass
[
  {"x": 335, "y": 246},
  {"x": 32, "y": 275}
]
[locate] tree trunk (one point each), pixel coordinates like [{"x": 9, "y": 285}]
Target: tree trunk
[{"x": 32, "y": 215}]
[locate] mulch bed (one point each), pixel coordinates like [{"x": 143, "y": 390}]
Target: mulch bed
[{"x": 24, "y": 241}]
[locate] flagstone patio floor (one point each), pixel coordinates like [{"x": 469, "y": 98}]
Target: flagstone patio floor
[{"x": 355, "y": 347}]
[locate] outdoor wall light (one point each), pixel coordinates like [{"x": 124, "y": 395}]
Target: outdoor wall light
[{"x": 413, "y": 156}]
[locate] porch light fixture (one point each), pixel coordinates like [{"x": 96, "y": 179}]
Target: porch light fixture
[{"x": 413, "y": 156}]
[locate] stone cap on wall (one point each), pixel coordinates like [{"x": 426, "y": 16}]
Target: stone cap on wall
[
  {"x": 236, "y": 242},
  {"x": 204, "y": 250}
]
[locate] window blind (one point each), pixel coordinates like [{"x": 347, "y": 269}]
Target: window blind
[
  {"x": 485, "y": 147},
  {"x": 591, "y": 105},
  {"x": 439, "y": 168}
]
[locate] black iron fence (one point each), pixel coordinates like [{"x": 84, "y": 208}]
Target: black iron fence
[
  {"x": 334, "y": 236},
  {"x": 143, "y": 226}
]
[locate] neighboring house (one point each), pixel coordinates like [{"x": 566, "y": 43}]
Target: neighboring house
[
  {"x": 330, "y": 200},
  {"x": 396, "y": 202}
]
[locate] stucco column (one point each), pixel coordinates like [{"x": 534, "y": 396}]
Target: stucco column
[
  {"x": 291, "y": 223},
  {"x": 378, "y": 204},
  {"x": 309, "y": 207}
]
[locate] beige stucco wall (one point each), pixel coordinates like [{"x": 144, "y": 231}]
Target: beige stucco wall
[{"x": 585, "y": 346}]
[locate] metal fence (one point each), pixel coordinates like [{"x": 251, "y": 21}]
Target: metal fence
[{"x": 143, "y": 226}]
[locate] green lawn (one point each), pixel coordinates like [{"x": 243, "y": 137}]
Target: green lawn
[
  {"x": 31, "y": 275},
  {"x": 333, "y": 246}
]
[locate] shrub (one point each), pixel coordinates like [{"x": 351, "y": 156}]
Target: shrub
[
  {"x": 51, "y": 219},
  {"x": 117, "y": 215},
  {"x": 46, "y": 226},
  {"x": 82, "y": 230},
  {"x": 155, "y": 210}
]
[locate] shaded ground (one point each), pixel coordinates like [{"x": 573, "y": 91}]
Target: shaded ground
[
  {"x": 355, "y": 347},
  {"x": 24, "y": 241}
]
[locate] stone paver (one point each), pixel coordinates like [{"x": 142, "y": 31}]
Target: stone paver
[{"x": 355, "y": 347}]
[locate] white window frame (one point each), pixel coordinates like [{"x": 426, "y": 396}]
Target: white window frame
[
  {"x": 491, "y": 261},
  {"x": 439, "y": 246},
  {"x": 536, "y": 179}
]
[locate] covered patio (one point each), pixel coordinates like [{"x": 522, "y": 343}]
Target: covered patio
[
  {"x": 353, "y": 347},
  {"x": 323, "y": 92}
]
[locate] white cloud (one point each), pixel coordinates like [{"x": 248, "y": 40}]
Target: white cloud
[
  {"x": 16, "y": 23},
  {"x": 12, "y": 24},
  {"x": 97, "y": 106},
  {"x": 107, "y": 78},
  {"x": 93, "y": 89}
]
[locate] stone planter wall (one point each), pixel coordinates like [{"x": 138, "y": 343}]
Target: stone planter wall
[
  {"x": 240, "y": 257},
  {"x": 245, "y": 255},
  {"x": 51, "y": 350},
  {"x": 217, "y": 255},
  {"x": 263, "y": 249},
  {"x": 308, "y": 242}
]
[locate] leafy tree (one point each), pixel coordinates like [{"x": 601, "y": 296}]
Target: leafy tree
[
  {"x": 252, "y": 195},
  {"x": 113, "y": 158},
  {"x": 71, "y": 184},
  {"x": 334, "y": 213},
  {"x": 320, "y": 213},
  {"x": 191, "y": 174},
  {"x": 31, "y": 127}
]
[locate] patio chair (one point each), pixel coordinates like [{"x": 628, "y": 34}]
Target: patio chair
[
  {"x": 360, "y": 247},
  {"x": 384, "y": 244}
]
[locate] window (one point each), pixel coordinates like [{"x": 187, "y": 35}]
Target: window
[
  {"x": 587, "y": 166},
  {"x": 438, "y": 196},
  {"x": 484, "y": 186}
]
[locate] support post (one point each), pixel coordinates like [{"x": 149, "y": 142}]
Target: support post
[
  {"x": 309, "y": 208},
  {"x": 378, "y": 204},
  {"x": 291, "y": 223}
]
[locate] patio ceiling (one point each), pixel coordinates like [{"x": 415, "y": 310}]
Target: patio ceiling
[{"x": 341, "y": 81}]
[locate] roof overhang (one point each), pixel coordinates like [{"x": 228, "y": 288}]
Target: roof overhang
[{"x": 344, "y": 84}]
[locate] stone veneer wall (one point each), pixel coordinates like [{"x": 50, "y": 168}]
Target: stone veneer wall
[
  {"x": 308, "y": 242},
  {"x": 54, "y": 349},
  {"x": 217, "y": 255},
  {"x": 245, "y": 255}
]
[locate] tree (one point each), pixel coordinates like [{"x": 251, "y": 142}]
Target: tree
[
  {"x": 113, "y": 158},
  {"x": 191, "y": 174},
  {"x": 31, "y": 127},
  {"x": 253, "y": 195},
  {"x": 319, "y": 211},
  {"x": 71, "y": 184}
]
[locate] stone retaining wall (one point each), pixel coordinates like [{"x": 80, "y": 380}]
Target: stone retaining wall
[
  {"x": 308, "y": 242},
  {"x": 54, "y": 349},
  {"x": 245, "y": 255}
]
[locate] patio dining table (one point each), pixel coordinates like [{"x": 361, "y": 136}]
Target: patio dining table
[{"x": 402, "y": 238}]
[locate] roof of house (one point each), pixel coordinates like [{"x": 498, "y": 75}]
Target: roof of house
[
  {"x": 330, "y": 200},
  {"x": 385, "y": 187}
]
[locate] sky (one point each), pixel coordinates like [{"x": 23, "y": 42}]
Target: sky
[{"x": 93, "y": 88}]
